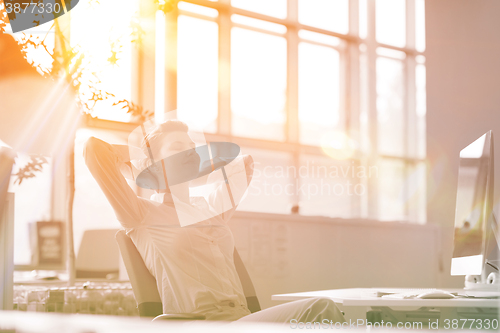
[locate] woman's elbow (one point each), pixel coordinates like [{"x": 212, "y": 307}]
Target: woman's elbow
[
  {"x": 89, "y": 147},
  {"x": 92, "y": 148}
]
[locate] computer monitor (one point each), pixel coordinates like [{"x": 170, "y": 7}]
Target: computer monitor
[{"x": 475, "y": 237}]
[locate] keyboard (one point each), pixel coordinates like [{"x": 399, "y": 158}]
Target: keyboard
[
  {"x": 432, "y": 294},
  {"x": 410, "y": 291}
]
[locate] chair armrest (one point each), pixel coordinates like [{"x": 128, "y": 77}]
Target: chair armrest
[{"x": 179, "y": 316}]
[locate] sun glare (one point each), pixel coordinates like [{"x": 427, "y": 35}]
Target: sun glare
[
  {"x": 107, "y": 49},
  {"x": 338, "y": 145}
]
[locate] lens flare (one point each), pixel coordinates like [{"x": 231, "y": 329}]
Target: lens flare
[{"x": 338, "y": 145}]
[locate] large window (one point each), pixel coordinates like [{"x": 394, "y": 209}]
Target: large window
[
  {"x": 106, "y": 55},
  {"x": 327, "y": 95}
]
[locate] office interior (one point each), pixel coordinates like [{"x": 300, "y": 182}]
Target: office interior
[{"x": 354, "y": 111}]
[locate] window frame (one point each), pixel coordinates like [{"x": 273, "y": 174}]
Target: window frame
[
  {"x": 350, "y": 86},
  {"x": 350, "y": 94}
]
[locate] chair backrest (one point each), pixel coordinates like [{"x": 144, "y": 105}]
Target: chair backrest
[
  {"x": 144, "y": 284},
  {"x": 98, "y": 256},
  {"x": 246, "y": 282}
]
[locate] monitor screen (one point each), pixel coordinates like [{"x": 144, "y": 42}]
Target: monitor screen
[{"x": 473, "y": 207}]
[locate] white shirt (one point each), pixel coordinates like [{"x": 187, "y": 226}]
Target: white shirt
[{"x": 193, "y": 265}]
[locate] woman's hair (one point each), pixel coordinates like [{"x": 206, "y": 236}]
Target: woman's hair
[{"x": 154, "y": 137}]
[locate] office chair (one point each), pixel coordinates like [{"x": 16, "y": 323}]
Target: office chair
[
  {"x": 144, "y": 284},
  {"x": 98, "y": 256}
]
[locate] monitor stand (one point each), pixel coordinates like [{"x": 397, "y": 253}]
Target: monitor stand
[
  {"x": 490, "y": 279},
  {"x": 475, "y": 282}
]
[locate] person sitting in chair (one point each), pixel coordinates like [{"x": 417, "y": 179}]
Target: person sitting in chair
[{"x": 193, "y": 264}]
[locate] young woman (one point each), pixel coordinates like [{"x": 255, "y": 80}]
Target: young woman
[{"x": 193, "y": 265}]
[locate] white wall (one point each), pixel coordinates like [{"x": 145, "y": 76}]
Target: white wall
[
  {"x": 463, "y": 99},
  {"x": 285, "y": 254}
]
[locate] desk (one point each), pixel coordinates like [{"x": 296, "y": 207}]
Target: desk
[
  {"x": 404, "y": 310},
  {"x": 39, "y": 322}
]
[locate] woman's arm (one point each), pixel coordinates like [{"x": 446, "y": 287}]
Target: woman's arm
[
  {"x": 125, "y": 154},
  {"x": 103, "y": 162}
]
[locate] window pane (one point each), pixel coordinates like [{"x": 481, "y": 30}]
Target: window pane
[
  {"x": 102, "y": 45},
  {"x": 392, "y": 191},
  {"x": 364, "y": 128},
  {"x": 258, "y": 84},
  {"x": 363, "y": 18},
  {"x": 415, "y": 198},
  {"x": 421, "y": 109},
  {"x": 332, "y": 15},
  {"x": 391, "y": 22},
  {"x": 420, "y": 25},
  {"x": 318, "y": 92},
  {"x": 197, "y": 72},
  {"x": 32, "y": 203},
  {"x": 271, "y": 184},
  {"x": 390, "y": 107},
  {"x": 326, "y": 186},
  {"x": 159, "y": 66},
  {"x": 402, "y": 191},
  {"x": 276, "y": 8}
]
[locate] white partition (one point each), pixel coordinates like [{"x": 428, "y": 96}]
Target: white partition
[{"x": 285, "y": 254}]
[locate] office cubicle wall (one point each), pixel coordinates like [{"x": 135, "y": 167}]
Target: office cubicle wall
[{"x": 285, "y": 254}]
